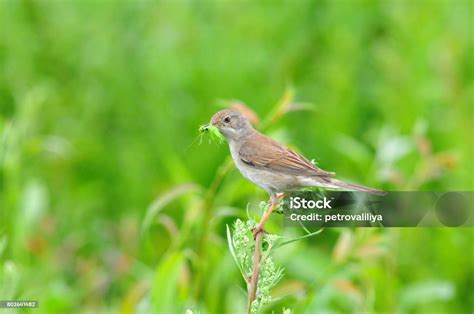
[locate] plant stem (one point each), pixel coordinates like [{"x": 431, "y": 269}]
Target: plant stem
[
  {"x": 257, "y": 256},
  {"x": 252, "y": 285},
  {"x": 223, "y": 170}
]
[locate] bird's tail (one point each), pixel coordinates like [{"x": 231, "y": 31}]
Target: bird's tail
[
  {"x": 350, "y": 186},
  {"x": 332, "y": 183}
]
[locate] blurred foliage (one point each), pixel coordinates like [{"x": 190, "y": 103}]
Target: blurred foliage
[{"x": 108, "y": 203}]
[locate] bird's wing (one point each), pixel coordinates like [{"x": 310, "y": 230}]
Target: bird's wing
[{"x": 269, "y": 154}]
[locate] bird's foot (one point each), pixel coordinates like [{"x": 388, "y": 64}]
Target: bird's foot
[
  {"x": 259, "y": 228},
  {"x": 275, "y": 200}
]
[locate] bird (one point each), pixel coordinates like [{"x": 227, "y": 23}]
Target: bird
[{"x": 270, "y": 165}]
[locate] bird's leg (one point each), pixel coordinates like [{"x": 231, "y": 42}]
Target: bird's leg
[
  {"x": 275, "y": 201},
  {"x": 280, "y": 196}
]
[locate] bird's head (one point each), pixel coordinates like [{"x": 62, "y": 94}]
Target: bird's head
[{"x": 232, "y": 124}]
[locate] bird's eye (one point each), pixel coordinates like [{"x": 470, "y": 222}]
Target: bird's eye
[{"x": 227, "y": 119}]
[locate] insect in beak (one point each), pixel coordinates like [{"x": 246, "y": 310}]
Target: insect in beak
[{"x": 204, "y": 127}]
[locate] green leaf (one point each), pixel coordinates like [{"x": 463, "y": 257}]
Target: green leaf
[
  {"x": 232, "y": 251},
  {"x": 165, "y": 294},
  {"x": 299, "y": 238},
  {"x": 161, "y": 201}
]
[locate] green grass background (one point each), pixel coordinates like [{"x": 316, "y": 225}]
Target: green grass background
[{"x": 107, "y": 204}]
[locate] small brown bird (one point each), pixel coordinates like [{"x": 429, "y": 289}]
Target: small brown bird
[{"x": 270, "y": 165}]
